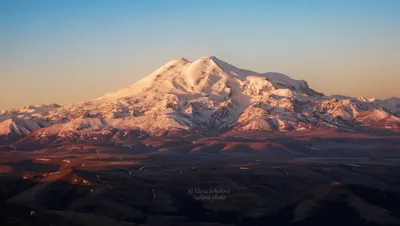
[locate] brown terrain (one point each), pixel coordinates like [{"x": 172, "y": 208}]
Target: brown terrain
[{"x": 237, "y": 179}]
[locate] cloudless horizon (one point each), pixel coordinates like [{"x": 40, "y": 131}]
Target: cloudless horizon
[{"x": 70, "y": 51}]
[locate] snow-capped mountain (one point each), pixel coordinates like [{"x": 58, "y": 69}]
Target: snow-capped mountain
[
  {"x": 391, "y": 104},
  {"x": 26, "y": 120},
  {"x": 207, "y": 96}
]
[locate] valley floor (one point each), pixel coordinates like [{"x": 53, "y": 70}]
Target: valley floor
[{"x": 212, "y": 181}]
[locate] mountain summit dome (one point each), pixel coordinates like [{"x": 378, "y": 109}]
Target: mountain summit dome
[{"x": 210, "y": 96}]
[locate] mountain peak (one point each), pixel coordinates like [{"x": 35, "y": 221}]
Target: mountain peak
[
  {"x": 209, "y": 58},
  {"x": 393, "y": 99},
  {"x": 207, "y": 93},
  {"x": 207, "y": 74},
  {"x": 183, "y": 61}
]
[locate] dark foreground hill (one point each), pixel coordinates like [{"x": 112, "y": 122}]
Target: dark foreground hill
[{"x": 213, "y": 181}]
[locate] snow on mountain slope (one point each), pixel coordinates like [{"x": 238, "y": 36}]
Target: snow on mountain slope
[
  {"x": 208, "y": 96},
  {"x": 184, "y": 95},
  {"x": 30, "y": 111},
  {"x": 205, "y": 76},
  {"x": 20, "y": 127},
  {"x": 23, "y": 121},
  {"x": 8, "y": 127},
  {"x": 391, "y": 104}
]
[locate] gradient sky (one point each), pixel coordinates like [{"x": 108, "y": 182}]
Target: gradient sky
[{"x": 68, "y": 51}]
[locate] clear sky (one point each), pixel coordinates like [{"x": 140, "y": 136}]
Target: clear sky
[{"x": 68, "y": 51}]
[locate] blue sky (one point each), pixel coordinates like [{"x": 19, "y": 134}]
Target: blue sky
[{"x": 67, "y": 51}]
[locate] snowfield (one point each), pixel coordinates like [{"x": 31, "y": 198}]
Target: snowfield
[{"x": 207, "y": 96}]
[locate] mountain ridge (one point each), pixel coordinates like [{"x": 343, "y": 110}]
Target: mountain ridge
[{"x": 206, "y": 96}]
